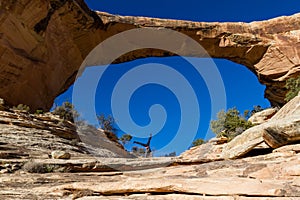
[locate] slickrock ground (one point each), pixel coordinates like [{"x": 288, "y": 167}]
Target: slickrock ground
[
  {"x": 199, "y": 173},
  {"x": 43, "y": 43},
  {"x": 259, "y": 177},
  {"x": 273, "y": 175}
]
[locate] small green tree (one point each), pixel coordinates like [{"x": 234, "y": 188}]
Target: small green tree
[
  {"x": 106, "y": 123},
  {"x": 256, "y": 109},
  {"x": 217, "y": 126},
  {"x": 22, "y": 107},
  {"x": 229, "y": 124},
  {"x": 39, "y": 111},
  {"x": 125, "y": 138},
  {"x": 247, "y": 114},
  {"x": 198, "y": 142},
  {"x": 293, "y": 86},
  {"x": 66, "y": 111}
]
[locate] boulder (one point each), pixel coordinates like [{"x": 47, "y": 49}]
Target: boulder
[
  {"x": 283, "y": 128},
  {"x": 262, "y": 116},
  {"x": 219, "y": 140},
  {"x": 295, "y": 148},
  {"x": 60, "y": 155},
  {"x": 207, "y": 152}
]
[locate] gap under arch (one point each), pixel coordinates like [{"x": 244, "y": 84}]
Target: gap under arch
[{"x": 243, "y": 91}]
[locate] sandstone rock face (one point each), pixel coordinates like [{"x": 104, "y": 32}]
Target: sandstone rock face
[
  {"x": 281, "y": 129},
  {"x": 262, "y": 116},
  {"x": 30, "y": 136},
  {"x": 42, "y": 49},
  {"x": 208, "y": 152},
  {"x": 280, "y": 134}
]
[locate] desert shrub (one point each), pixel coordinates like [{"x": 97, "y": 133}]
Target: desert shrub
[
  {"x": 139, "y": 152},
  {"x": 198, "y": 142},
  {"x": 66, "y": 111},
  {"x": 229, "y": 124},
  {"x": 35, "y": 167},
  {"x": 106, "y": 123},
  {"x": 256, "y": 109},
  {"x": 82, "y": 193},
  {"x": 75, "y": 142},
  {"x": 39, "y": 111},
  {"x": 293, "y": 86},
  {"x": 134, "y": 149},
  {"x": 125, "y": 138},
  {"x": 21, "y": 107},
  {"x": 50, "y": 168},
  {"x": 172, "y": 154}
]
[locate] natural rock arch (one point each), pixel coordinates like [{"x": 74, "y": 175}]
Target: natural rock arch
[{"x": 42, "y": 49}]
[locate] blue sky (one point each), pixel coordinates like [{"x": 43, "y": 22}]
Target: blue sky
[
  {"x": 197, "y": 10},
  {"x": 241, "y": 86}
]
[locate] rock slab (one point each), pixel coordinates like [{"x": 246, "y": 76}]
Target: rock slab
[{"x": 283, "y": 128}]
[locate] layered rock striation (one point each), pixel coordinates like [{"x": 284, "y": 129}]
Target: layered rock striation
[
  {"x": 27, "y": 172},
  {"x": 43, "y": 43},
  {"x": 30, "y": 136}
]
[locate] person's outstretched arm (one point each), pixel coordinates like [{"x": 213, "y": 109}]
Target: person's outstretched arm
[{"x": 144, "y": 145}]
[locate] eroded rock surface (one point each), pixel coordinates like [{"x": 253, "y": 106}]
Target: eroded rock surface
[
  {"x": 208, "y": 152},
  {"x": 43, "y": 43},
  {"x": 30, "y": 136},
  {"x": 262, "y": 116},
  {"x": 28, "y": 172},
  {"x": 259, "y": 177}
]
